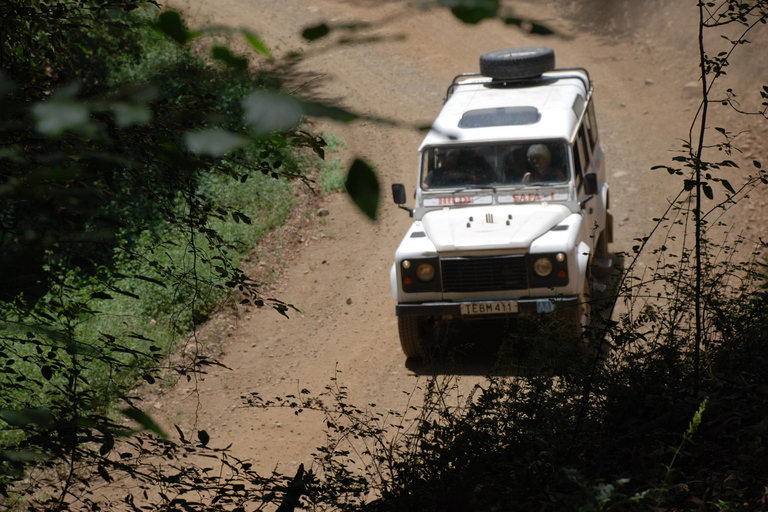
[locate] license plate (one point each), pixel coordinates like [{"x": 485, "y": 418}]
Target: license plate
[{"x": 488, "y": 308}]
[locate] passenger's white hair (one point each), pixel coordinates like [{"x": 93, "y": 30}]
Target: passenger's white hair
[{"x": 539, "y": 150}]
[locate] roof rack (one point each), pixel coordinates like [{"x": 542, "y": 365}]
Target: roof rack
[{"x": 455, "y": 83}]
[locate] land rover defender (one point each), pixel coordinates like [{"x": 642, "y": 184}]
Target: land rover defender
[{"x": 511, "y": 201}]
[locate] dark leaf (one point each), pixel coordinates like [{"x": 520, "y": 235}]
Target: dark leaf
[
  {"x": 320, "y": 110},
  {"x": 21, "y": 456},
  {"x": 707, "y": 190},
  {"x": 150, "y": 280},
  {"x": 103, "y": 473},
  {"x": 47, "y": 372},
  {"x": 728, "y": 186},
  {"x": 144, "y": 420},
  {"x": 223, "y": 54},
  {"x": 203, "y": 436},
  {"x": 107, "y": 445},
  {"x": 472, "y": 11},
  {"x": 169, "y": 23},
  {"x": 316, "y": 32},
  {"x": 101, "y": 295},
  {"x": 6, "y": 84},
  {"x": 38, "y": 416},
  {"x": 181, "y": 434},
  {"x": 127, "y": 294},
  {"x": 363, "y": 187},
  {"x": 541, "y": 30}
]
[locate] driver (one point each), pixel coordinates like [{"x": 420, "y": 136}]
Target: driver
[{"x": 461, "y": 167}]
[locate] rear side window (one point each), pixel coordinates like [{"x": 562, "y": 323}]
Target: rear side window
[{"x": 590, "y": 124}]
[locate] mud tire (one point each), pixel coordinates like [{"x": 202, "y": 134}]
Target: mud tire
[
  {"x": 576, "y": 319},
  {"x": 413, "y": 335},
  {"x": 601, "y": 248},
  {"x": 517, "y": 63}
]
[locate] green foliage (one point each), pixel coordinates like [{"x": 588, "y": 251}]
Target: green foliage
[
  {"x": 331, "y": 170},
  {"x": 134, "y": 178},
  {"x": 332, "y": 177}
]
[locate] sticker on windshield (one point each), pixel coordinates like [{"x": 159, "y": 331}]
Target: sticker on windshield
[
  {"x": 454, "y": 200},
  {"x": 533, "y": 197}
]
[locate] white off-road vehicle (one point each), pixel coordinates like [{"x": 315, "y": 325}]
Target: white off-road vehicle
[{"x": 511, "y": 204}]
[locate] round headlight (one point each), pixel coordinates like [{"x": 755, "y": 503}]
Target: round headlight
[
  {"x": 542, "y": 267},
  {"x": 425, "y": 272},
  {"x": 406, "y": 264}
]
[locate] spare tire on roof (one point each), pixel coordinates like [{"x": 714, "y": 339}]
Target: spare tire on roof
[{"x": 517, "y": 63}]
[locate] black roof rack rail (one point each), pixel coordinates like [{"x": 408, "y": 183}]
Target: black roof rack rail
[
  {"x": 587, "y": 84},
  {"x": 455, "y": 83}
]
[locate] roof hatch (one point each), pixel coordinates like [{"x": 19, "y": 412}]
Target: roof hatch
[{"x": 500, "y": 116}]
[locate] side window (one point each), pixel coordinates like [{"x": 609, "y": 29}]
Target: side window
[
  {"x": 591, "y": 124},
  {"x": 579, "y": 160},
  {"x": 587, "y": 147}
]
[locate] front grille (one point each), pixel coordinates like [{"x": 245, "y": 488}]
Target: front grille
[{"x": 489, "y": 274}]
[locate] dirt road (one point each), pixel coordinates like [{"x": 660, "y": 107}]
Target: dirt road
[{"x": 642, "y": 65}]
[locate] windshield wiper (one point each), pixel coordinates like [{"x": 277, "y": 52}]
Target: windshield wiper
[{"x": 475, "y": 187}]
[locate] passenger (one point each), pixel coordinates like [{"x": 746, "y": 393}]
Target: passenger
[{"x": 540, "y": 159}]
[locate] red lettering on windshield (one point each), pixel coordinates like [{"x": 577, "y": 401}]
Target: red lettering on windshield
[
  {"x": 529, "y": 198},
  {"x": 455, "y": 200}
]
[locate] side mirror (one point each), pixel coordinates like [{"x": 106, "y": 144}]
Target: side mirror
[
  {"x": 398, "y": 193},
  {"x": 590, "y": 184}
]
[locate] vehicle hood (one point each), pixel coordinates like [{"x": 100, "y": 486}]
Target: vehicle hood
[{"x": 491, "y": 227}]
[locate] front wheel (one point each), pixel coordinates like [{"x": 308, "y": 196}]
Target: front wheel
[
  {"x": 577, "y": 318},
  {"x": 413, "y": 335}
]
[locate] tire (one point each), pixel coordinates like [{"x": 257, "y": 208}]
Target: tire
[
  {"x": 576, "y": 319},
  {"x": 585, "y": 305},
  {"x": 516, "y": 63},
  {"x": 413, "y": 335},
  {"x": 601, "y": 247}
]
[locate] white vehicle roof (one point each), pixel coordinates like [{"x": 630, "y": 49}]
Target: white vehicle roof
[{"x": 480, "y": 110}]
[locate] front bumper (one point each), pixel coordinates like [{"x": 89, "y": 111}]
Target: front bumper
[{"x": 524, "y": 307}]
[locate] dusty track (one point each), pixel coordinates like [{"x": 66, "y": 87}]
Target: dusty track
[{"x": 340, "y": 278}]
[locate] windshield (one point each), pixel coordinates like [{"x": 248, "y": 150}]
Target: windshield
[{"x": 494, "y": 165}]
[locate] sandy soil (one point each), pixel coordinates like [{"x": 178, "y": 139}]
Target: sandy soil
[{"x": 336, "y": 268}]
